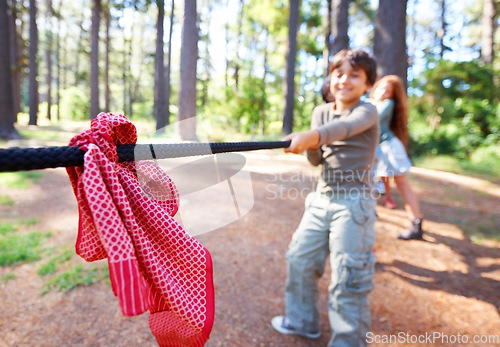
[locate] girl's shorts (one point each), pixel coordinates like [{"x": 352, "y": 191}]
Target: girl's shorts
[{"x": 392, "y": 159}]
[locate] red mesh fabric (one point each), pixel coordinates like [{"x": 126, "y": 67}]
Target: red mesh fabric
[{"x": 154, "y": 264}]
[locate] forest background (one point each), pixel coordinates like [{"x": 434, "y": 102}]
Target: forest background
[{"x": 252, "y": 69}]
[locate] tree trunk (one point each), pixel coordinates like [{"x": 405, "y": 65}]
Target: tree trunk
[
  {"x": 58, "y": 61},
  {"x": 226, "y": 54},
  {"x": 187, "y": 85},
  {"x": 107, "y": 92},
  {"x": 168, "y": 87},
  {"x": 340, "y": 25},
  {"x": 7, "y": 115},
  {"x": 64, "y": 65},
  {"x": 489, "y": 26},
  {"x": 94, "y": 60},
  {"x": 293, "y": 24},
  {"x": 138, "y": 79},
  {"x": 160, "y": 104},
  {"x": 442, "y": 31},
  {"x": 205, "y": 75},
  {"x": 237, "y": 61},
  {"x": 129, "y": 111},
  {"x": 389, "y": 44},
  {"x": 79, "y": 49},
  {"x": 328, "y": 51},
  {"x": 33, "y": 66},
  {"x": 15, "y": 56},
  {"x": 263, "y": 102},
  {"x": 48, "y": 54},
  {"x": 124, "y": 71}
]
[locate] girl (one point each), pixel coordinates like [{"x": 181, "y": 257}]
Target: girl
[{"x": 390, "y": 98}]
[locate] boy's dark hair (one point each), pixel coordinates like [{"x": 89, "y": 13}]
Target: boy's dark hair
[{"x": 358, "y": 59}]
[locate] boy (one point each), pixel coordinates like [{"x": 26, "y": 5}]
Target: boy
[{"x": 339, "y": 217}]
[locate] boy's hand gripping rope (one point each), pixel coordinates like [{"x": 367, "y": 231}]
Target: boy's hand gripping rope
[{"x": 21, "y": 159}]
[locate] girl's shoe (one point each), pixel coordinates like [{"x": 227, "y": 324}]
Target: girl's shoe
[
  {"x": 390, "y": 204},
  {"x": 380, "y": 188},
  {"x": 414, "y": 232}
]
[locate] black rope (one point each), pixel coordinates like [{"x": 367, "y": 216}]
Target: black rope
[{"x": 22, "y": 159}]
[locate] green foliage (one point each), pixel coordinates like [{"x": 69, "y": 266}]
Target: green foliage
[
  {"x": 252, "y": 104},
  {"x": 76, "y": 276},
  {"x": 273, "y": 20},
  {"x": 219, "y": 124},
  {"x": 20, "y": 179},
  {"x": 487, "y": 160},
  {"x": 75, "y": 103},
  {"x": 365, "y": 7},
  {"x": 483, "y": 162},
  {"x": 459, "y": 111},
  {"x": 449, "y": 81},
  {"x": 310, "y": 35},
  {"x": 443, "y": 140},
  {"x": 42, "y": 113},
  {"x": 247, "y": 110},
  {"x": 142, "y": 110}
]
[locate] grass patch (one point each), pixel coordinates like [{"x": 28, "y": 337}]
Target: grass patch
[
  {"x": 7, "y": 228},
  {"x": 16, "y": 248},
  {"x": 21, "y": 179},
  {"x": 52, "y": 265},
  {"x": 460, "y": 166},
  {"x": 488, "y": 228},
  {"x": 6, "y": 200},
  {"x": 48, "y": 268},
  {"x": 76, "y": 276},
  {"x": 21, "y": 248},
  {"x": 28, "y": 222},
  {"x": 42, "y": 133},
  {"x": 8, "y": 277}
]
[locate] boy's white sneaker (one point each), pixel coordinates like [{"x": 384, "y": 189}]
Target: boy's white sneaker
[{"x": 282, "y": 325}]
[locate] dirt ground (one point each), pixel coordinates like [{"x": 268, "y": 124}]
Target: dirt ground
[{"x": 445, "y": 285}]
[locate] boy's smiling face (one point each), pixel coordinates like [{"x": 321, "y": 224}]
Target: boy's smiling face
[{"x": 348, "y": 85}]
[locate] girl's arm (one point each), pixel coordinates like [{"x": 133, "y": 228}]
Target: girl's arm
[{"x": 385, "y": 110}]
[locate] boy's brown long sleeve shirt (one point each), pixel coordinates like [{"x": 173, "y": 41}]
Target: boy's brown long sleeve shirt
[{"x": 348, "y": 144}]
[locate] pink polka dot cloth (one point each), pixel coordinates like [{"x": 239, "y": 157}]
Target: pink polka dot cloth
[{"x": 154, "y": 264}]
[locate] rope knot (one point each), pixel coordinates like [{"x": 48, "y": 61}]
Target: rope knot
[{"x": 107, "y": 131}]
